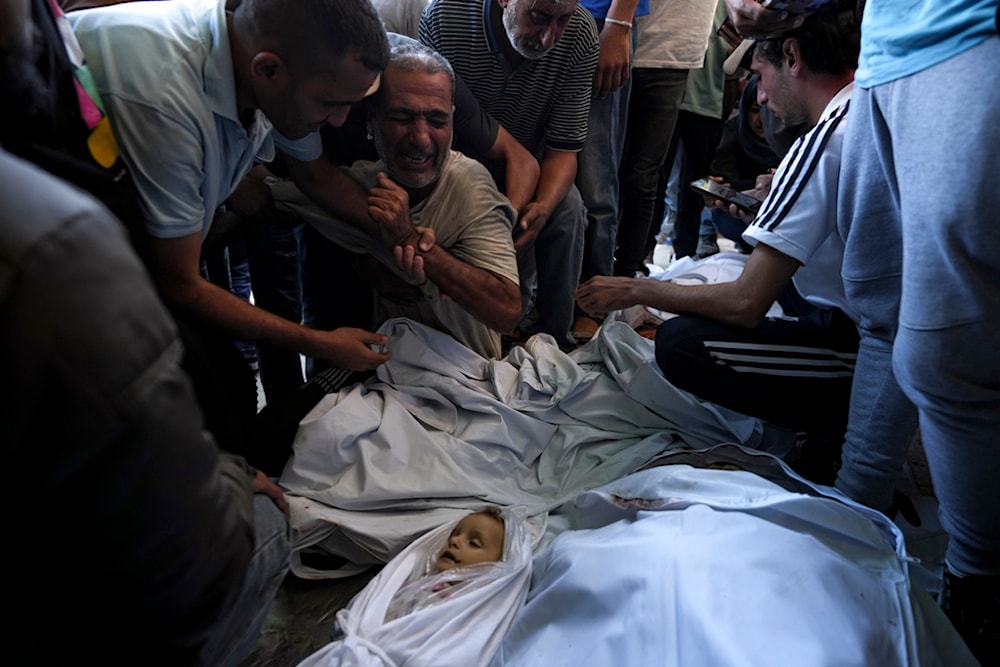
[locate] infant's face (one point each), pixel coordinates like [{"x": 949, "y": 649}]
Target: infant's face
[{"x": 477, "y": 538}]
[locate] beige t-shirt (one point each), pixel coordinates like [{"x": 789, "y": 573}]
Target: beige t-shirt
[
  {"x": 674, "y": 35},
  {"x": 472, "y": 220}
]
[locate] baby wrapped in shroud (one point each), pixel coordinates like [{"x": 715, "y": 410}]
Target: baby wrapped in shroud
[{"x": 444, "y": 600}]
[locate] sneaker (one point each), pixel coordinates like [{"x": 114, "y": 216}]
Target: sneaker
[
  {"x": 972, "y": 604},
  {"x": 707, "y": 246}
]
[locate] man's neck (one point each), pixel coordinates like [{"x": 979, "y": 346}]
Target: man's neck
[
  {"x": 825, "y": 89},
  {"x": 418, "y": 195}
]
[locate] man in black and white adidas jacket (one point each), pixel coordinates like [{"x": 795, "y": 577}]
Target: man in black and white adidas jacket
[{"x": 793, "y": 371}]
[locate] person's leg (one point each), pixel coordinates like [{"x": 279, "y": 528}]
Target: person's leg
[
  {"x": 234, "y": 634},
  {"x": 597, "y": 178},
  {"x": 700, "y": 137},
  {"x": 333, "y": 294},
  {"x": 224, "y": 385},
  {"x": 941, "y": 262},
  {"x": 730, "y": 227},
  {"x": 653, "y": 108},
  {"x": 558, "y": 255},
  {"x": 947, "y": 352},
  {"x": 273, "y": 252},
  {"x": 794, "y": 374},
  {"x": 882, "y": 421},
  {"x": 708, "y": 237}
]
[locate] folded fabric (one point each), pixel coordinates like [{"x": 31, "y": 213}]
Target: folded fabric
[
  {"x": 441, "y": 429},
  {"x": 684, "y": 565}
]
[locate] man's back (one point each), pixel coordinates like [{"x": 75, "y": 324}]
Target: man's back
[{"x": 118, "y": 486}]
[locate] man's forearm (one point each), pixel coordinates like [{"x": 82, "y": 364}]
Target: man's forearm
[
  {"x": 493, "y": 300},
  {"x": 213, "y": 305},
  {"x": 521, "y": 168},
  {"x": 558, "y": 172}
]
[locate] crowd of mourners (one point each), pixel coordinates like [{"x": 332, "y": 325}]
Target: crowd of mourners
[{"x": 198, "y": 194}]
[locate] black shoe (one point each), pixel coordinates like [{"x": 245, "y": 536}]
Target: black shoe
[
  {"x": 817, "y": 457},
  {"x": 902, "y": 505},
  {"x": 972, "y": 604},
  {"x": 707, "y": 246}
]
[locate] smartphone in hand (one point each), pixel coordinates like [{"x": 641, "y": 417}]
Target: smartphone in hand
[{"x": 745, "y": 202}]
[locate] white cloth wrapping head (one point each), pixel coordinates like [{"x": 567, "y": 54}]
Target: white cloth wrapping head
[{"x": 405, "y": 616}]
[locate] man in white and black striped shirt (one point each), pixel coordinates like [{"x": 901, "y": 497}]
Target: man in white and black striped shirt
[
  {"x": 794, "y": 371},
  {"x": 530, "y": 63}
]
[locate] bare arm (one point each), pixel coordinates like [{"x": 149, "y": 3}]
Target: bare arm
[
  {"x": 493, "y": 300},
  {"x": 174, "y": 267},
  {"x": 743, "y": 302},
  {"x": 520, "y": 166},
  {"x": 557, "y": 175},
  {"x": 614, "y": 60}
]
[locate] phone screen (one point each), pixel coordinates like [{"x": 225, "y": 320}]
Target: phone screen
[{"x": 726, "y": 194}]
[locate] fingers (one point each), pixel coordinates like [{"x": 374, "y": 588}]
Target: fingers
[
  {"x": 262, "y": 484},
  {"x": 427, "y": 240},
  {"x": 368, "y": 360},
  {"x": 409, "y": 261},
  {"x": 280, "y": 501},
  {"x": 372, "y": 338}
]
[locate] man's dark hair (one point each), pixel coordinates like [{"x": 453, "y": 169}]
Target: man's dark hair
[
  {"x": 829, "y": 40},
  {"x": 295, "y": 29}
]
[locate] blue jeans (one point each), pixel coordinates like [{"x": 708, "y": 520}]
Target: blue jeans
[
  {"x": 276, "y": 276},
  {"x": 729, "y": 227},
  {"x": 597, "y": 177},
  {"x": 234, "y": 635},
  {"x": 918, "y": 208},
  {"x": 553, "y": 263},
  {"x": 652, "y": 113}
]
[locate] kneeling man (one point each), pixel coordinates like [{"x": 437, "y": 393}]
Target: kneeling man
[{"x": 467, "y": 283}]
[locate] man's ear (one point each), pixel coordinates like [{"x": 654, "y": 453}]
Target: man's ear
[
  {"x": 268, "y": 70},
  {"x": 791, "y": 51},
  {"x": 503, "y": 3}
]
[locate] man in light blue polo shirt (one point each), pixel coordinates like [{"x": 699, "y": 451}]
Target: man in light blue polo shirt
[{"x": 197, "y": 91}]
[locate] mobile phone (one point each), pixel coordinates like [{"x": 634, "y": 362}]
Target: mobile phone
[{"x": 727, "y": 194}]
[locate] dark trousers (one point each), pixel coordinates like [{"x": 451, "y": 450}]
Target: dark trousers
[
  {"x": 795, "y": 374},
  {"x": 699, "y": 136}
]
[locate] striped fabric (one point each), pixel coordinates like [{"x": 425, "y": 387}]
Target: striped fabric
[
  {"x": 544, "y": 103},
  {"x": 798, "y": 165},
  {"x": 782, "y": 360}
]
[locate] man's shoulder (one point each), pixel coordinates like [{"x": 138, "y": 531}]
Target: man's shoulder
[
  {"x": 454, "y": 7},
  {"x": 463, "y": 173},
  {"x": 582, "y": 27},
  {"x": 468, "y": 188},
  {"x": 454, "y": 10},
  {"x": 175, "y": 39}
]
